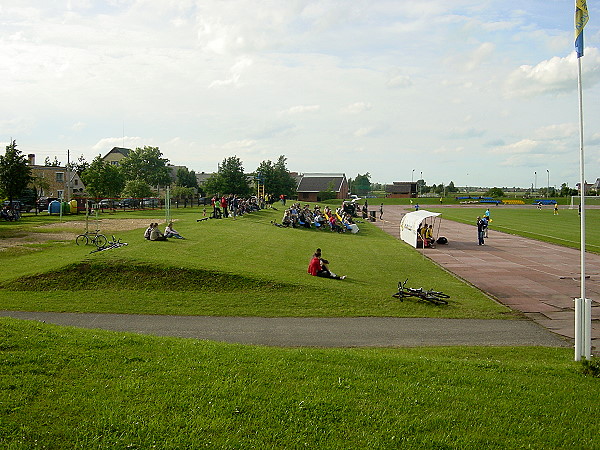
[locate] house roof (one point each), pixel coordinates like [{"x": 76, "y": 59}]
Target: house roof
[
  {"x": 318, "y": 182},
  {"x": 121, "y": 150},
  {"x": 401, "y": 187}
]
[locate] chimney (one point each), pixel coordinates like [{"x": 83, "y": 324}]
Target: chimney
[{"x": 31, "y": 158}]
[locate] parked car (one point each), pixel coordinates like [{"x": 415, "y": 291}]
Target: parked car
[
  {"x": 129, "y": 203},
  {"x": 107, "y": 203},
  {"x": 203, "y": 201},
  {"x": 150, "y": 203}
]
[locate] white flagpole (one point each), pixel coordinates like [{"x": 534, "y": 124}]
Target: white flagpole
[{"x": 583, "y": 324}]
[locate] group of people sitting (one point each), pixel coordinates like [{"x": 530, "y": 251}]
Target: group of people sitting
[
  {"x": 10, "y": 214},
  {"x": 152, "y": 233},
  {"x": 335, "y": 220},
  {"x": 425, "y": 236},
  {"x": 233, "y": 206}
]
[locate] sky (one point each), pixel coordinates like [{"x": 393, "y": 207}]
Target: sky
[{"x": 481, "y": 93}]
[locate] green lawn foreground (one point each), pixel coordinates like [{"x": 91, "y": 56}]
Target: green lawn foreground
[
  {"x": 243, "y": 267},
  {"x": 62, "y": 387},
  {"x": 528, "y": 221}
]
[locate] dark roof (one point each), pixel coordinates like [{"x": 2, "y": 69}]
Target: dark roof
[
  {"x": 321, "y": 183},
  {"x": 121, "y": 150},
  {"x": 401, "y": 187}
]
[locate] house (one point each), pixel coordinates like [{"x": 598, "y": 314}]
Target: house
[
  {"x": 311, "y": 185},
  {"x": 116, "y": 154},
  {"x": 55, "y": 181},
  {"x": 401, "y": 189}
]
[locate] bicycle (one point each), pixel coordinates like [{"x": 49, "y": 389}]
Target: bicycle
[
  {"x": 99, "y": 240},
  {"x": 115, "y": 243},
  {"x": 431, "y": 296}
]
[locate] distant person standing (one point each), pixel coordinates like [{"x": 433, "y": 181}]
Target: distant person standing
[
  {"x": 381, "y": 212},
  {"x": 556, "y": 209},
  {"x": 488, "y": 219},
  {"x": 480, "y": 230}
]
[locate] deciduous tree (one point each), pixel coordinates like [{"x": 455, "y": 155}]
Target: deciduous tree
[
  {"x": 102, "y": 179},
  {"x": 15, "y": 173},
  {"x": 146, "y": 164}
]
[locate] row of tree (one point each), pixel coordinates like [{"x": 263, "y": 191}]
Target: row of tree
[{"x": 143, "y": 171}]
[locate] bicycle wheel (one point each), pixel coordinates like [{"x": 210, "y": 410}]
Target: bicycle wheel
[
  {"x": 400, "y": 295},
  {"x": 82, "y": 239},
  {"x": 100, "y": 240},
  {"x": 433, "y": 299}
]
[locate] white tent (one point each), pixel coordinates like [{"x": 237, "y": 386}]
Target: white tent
[{"x": 410, "y": 223}]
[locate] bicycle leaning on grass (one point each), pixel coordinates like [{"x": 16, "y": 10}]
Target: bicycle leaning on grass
[
  {"x": 94, "y": 237},
  {"x": 431, "y": 296},
  {"x": 115, "y": 243}
]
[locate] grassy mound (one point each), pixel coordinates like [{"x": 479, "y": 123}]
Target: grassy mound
[{"x": 125, "y": 275}]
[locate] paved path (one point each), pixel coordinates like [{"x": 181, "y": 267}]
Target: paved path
[
  {"x": 316, "y": 332},
  {"x": 539, "y": 279}
]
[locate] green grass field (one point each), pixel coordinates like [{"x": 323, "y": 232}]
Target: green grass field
[
  {"x": 62, "y": 387},
  {"x": 245, "y": 267},
  {"x": 68, "y": 388}
]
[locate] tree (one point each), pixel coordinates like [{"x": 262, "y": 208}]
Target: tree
[
  {"x": 495, "y": 192},
  {"x": 102, "y": 179},
  {"x": 78, "y": 166},
  {"x": 230, "y": 179},
  {"x": 451, "y": 188},
  {"x": 186, "y": 178},
  {"x": 15, "y": 173},
  {"x": 566, "y": 191},
  {"x": 137, "y": 189},
  {"x": 361, "y": 185},
  {"x": 55, "y": 163},
  {"x": 276, "y": 178},
  {"x": 182, "y": 192},
  {"x": 146, "y": 164}
]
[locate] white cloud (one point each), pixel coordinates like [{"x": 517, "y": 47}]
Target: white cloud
[
  {"x": 556, "y": 75},
  {"x": 300, "y": 109},
  {"x": 357, "y": 108},
  {"x": 479, "y": 55},
  {"x": 235, "y": 74}
]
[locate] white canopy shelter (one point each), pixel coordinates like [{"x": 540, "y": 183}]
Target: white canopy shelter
[{"x": 410, "y": 223}]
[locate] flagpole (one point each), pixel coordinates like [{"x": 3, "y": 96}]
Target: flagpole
[{"x": 583, "y": 324}]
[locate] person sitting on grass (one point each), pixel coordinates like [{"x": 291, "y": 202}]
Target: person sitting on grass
[
  {"x": 148, "y": 231},
  {"x": 156, "y": 235},
  {"x": 170, "y": 232},
  {"x": 318, "y": 267}
]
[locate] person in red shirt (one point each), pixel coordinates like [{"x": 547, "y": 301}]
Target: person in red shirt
[{"x": 318, "y": 267}]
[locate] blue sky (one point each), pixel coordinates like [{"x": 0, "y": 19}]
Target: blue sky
[{"x": 476, "y": 92}]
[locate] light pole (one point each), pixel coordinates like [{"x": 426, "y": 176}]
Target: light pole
[
  {"x": 412, "y": 176},
  {"x": 534, "y": 181},
  {"x": 421, "y": 184},
  {"x": 548, "y": 191}
]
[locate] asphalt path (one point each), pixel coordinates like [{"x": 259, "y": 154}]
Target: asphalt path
[{"x": 315, "y": 332}]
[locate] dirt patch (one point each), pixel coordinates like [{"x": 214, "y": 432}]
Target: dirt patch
[{"x": 107, "y": 227}]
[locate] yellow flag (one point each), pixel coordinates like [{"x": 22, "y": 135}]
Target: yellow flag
[{"x": 581, "y": 16}]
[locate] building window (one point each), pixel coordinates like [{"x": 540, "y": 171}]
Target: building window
[
  {"x": 60, "y": 177},
  {"x": 59, "y": 194},
  {"x": 76, "y": 182}
]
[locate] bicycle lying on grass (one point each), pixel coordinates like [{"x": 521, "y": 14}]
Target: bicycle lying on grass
[
  {"x": 99, "y": 240},
  {"x": 431, "y": 296},
  {"x": 115, "y": 243}
]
